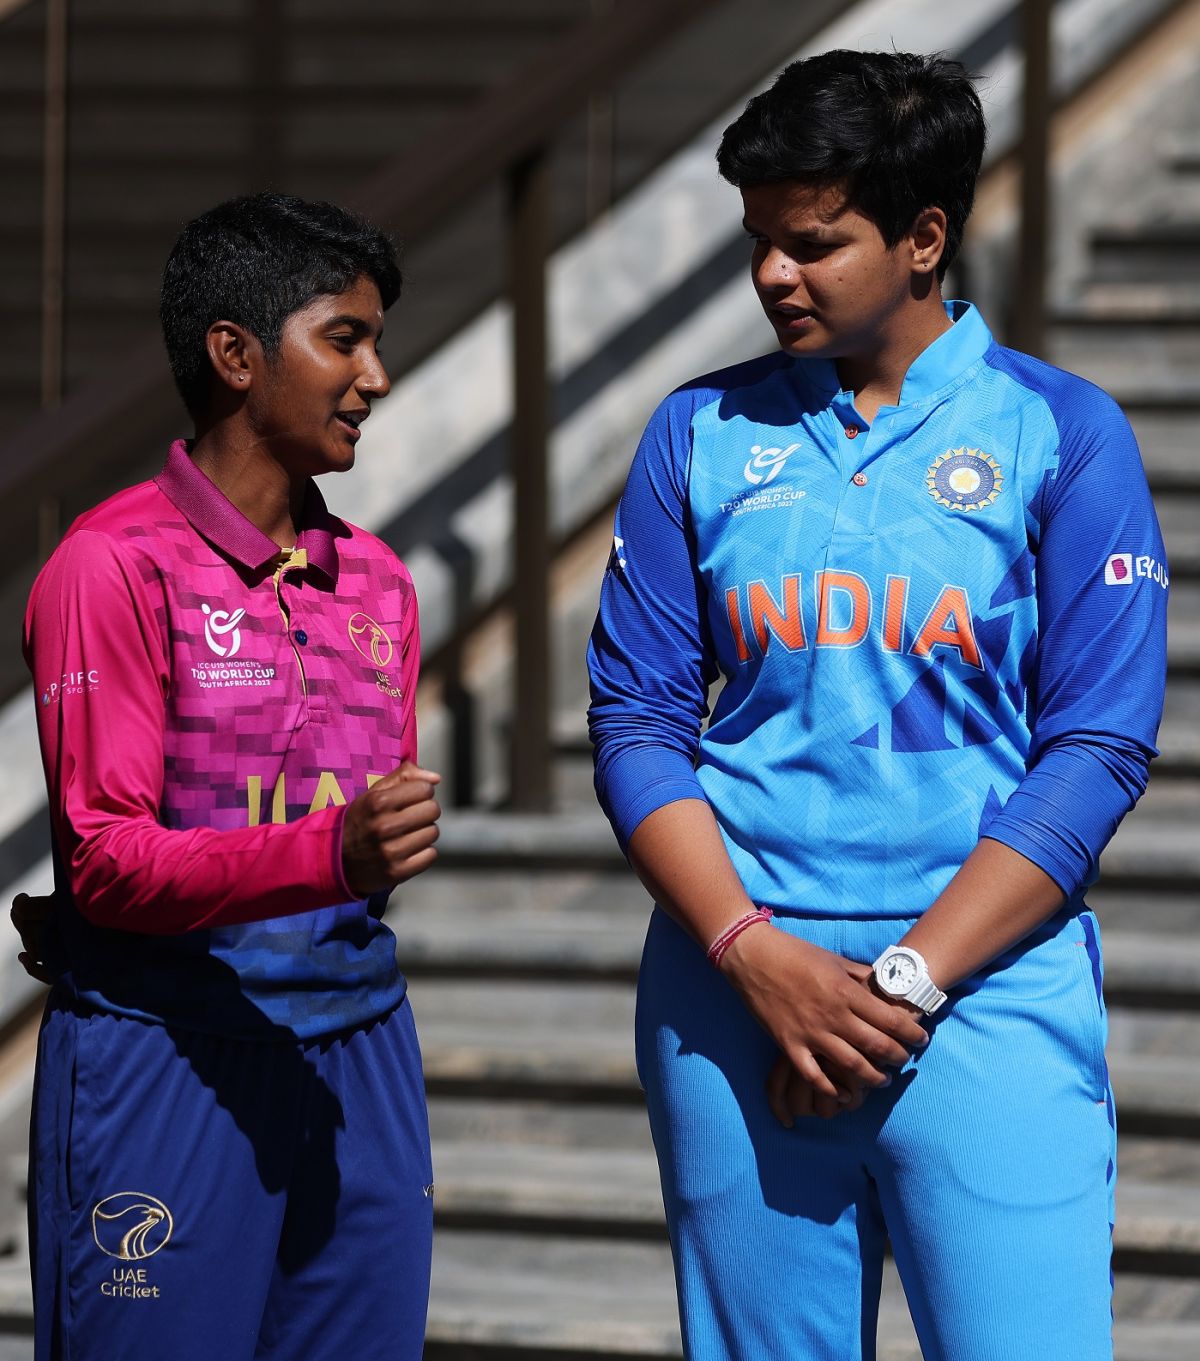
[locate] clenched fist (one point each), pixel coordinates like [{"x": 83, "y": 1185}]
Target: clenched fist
[{"x": 389, "y": 832}]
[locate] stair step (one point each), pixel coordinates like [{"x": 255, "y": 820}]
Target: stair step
[
  {"x": 1153, "y": 357},
  {"x": 1151, "y": 969},
  {"x": 551, "y": 1040},
  {"x": 528, "y": 1296},
  {"x": 1157, "y": 1095},
  {"x": 592, "y": 926},
  {"x": 1156, "y": 841},
  {"x": 1156, "y": 844},
  {"x": 1181, "y": 154},
  {"x": 569, "y": 1041},
  {"x": 505, "y": 1299},
  {"x": 1156, "y": 252},
  {"x": 1112, "y": 305},
  {"x": 487, "y": 1182},
  {"x": 1134, "y": 909}
]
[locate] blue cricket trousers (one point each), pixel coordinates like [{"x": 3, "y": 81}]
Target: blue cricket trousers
[
  {"x": 200, "y": 1198},
  {"x": 988, "y": 1162}
]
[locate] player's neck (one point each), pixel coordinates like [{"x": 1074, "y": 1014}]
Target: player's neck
[
  {"x": 876, "y": 378},
  {"x": 255, "y": 482}
]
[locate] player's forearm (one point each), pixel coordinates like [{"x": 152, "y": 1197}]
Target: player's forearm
[
  {"x": 134, "y": 875},
  {"x": 679, "y": 855},
  {"x": 996, "y": 899}
]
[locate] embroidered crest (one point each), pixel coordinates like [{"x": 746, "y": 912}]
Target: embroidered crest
[{"x": 964, "y": 479}]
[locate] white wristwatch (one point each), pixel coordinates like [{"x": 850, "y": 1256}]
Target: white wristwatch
[{"x": 902, "y": 972}]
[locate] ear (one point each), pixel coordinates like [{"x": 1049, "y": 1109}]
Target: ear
[
  {"x": 233, "y": 353},
  {"x": 928, "y": 237}
]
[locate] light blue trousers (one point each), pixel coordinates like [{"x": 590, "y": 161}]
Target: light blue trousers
[{"x": 988, "y": 1163}]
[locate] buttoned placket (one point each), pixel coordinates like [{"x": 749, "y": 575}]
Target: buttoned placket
[
  {"x": 297, "y": 636},
  {"x": 858, "y": 446}
]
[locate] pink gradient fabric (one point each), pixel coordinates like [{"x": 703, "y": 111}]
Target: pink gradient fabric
[{"x": 205, "y": 714}]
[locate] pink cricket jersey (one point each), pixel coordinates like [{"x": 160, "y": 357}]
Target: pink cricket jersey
[{"x": 207, "y": 706}]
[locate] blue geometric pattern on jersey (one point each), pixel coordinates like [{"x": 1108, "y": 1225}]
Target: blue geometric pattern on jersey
[
  {"x": 912, "y": 622},
  {"x": 1017, "y": 584},
  {"x": 919, "y": 720}
]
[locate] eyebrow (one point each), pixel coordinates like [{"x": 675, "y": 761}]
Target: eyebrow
[
  {"x": 817, "y": 231},
  {"x": 356, "y": 324}
]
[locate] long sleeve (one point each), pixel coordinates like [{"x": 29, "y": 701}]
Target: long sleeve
[
  {"x": 410, "y": 666},
  {"x": 650, "y": 656},
  {"x": 1097, "y": 691},
  {"x": 93, "y": 641}
]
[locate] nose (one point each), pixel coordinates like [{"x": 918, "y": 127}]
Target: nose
[
  {"x": 373, "y": 381},
  {"x": 773, "y": 269}
]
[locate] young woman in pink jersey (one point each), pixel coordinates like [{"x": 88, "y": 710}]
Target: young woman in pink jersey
[{"x": 229, "y": 1149}]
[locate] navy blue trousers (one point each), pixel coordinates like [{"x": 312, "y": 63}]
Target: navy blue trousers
[{"x": 198, "y": 1197}]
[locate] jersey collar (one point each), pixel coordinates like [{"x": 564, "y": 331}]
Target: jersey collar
[
  {"x": 210, "y": 512},
  {"x": 942, "y": 365}
]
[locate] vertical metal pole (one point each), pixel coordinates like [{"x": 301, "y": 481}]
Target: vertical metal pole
[
  {"x": 1029, "y": 312},
  {"x": 528, "y": 243},
  {"x": 54, "y": 200},
  {"x": 54, "y": 243},
  {"x": 601, "y": 134},
  {"x": 266, "y": 35}
]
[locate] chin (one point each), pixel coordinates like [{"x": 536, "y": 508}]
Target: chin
[
  {"x": 339, "y": 460},
  {"x": 804, "y": 347}
]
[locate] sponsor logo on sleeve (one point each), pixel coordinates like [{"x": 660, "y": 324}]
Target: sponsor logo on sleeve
[
  {"x": 616, "y": 558},
  {"x": 1118, "y": 570},
  {"x": 1123, "y": 569},
  {"x": 82, "y": 682}
]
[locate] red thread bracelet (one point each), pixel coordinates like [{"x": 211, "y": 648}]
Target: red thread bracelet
[{"x": 716, "y": 951}]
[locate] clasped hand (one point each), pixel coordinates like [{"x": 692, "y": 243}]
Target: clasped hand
[{"x": 837, "y": 1038}]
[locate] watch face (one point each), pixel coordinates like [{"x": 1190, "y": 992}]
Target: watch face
[{"x": 898, "y": 973}]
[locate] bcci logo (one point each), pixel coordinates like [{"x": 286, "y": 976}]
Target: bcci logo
[
  {"x": 131, "y": 1226},
  {"x": 765, "y": 465},
  {"x": 964, "y": 479},
  {"x": 370, "y": 641},
  {"x": 219, "y": 625}
]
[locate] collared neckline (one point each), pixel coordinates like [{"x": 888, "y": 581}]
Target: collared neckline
[
  {"x": 211, "y": 513},
  {"x": 939, "y": 366},
  {"x": 948, "y": 358}
]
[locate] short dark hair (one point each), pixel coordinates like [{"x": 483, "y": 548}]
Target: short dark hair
[
  {"x": 901, "y": 132},
  {"x": 255, "y": 260}
]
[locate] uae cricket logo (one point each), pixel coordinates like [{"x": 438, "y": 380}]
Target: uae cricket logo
[{"x": 131, "y": 1226}]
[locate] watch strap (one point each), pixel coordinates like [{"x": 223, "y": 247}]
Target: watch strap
[{"x": 925, "y": 994}]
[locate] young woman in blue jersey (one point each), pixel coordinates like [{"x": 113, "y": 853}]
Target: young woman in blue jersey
[{"x": 928, "y": 572}]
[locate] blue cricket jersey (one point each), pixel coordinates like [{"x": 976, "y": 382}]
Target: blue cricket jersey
[{"x": 946, "y": 625}]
